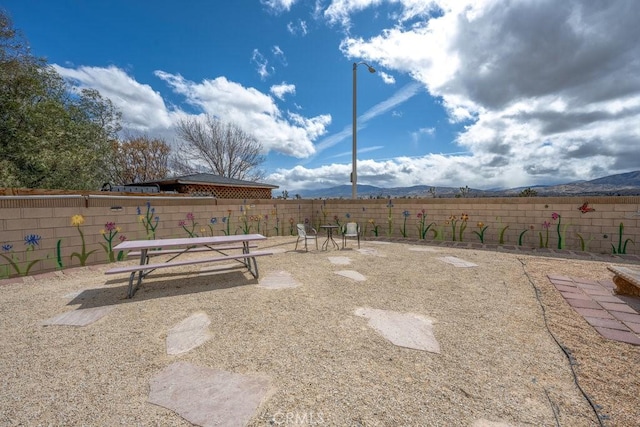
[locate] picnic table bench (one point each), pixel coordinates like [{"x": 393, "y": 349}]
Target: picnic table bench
[
  {"x": 626, "y": 279},
  {"x": 146, "y": 249}
]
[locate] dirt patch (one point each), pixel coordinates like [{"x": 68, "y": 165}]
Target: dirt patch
[{"x": 503, "y": 331}]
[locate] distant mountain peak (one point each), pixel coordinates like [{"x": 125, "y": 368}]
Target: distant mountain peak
[{"x": 613, "y": 185}]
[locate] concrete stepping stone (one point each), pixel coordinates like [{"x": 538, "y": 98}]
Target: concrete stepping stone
[
  {"x": 457, "y": 262},
  {"x": 340, "y": 260},
  {"x": 278, "y": 280},
  {"x": 192, "y": 332},
  {"x": 208, "y": 397},
  {"x": 370, "y": 251},
  {"x": 351, "y": 274},
  {"x": 72, "y": 295},
  {"x": 81, "y": 317},
  {"x": 402, "y": 329}
]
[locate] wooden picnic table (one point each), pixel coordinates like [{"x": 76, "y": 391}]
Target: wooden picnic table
[{"x": 177, "y": 247}]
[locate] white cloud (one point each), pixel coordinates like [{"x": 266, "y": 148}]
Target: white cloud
[
  {"x": 300, "y": 28},
  {"x": 145, "y": 111},
  {"x": 548, "y": 91},
  {"x": 387, "y": 78},
  {"x": 253, "y": 111},
  {"x": 340, "y": 11},
  {"x": 279, "y": 54},
  {"x": 399, "y": 97},
  {"x": 278, "y": 6},
  {"x": 416, "y": 135},
  {"x": 262, "y": 64},
  {"x": 279, "y": 91}
]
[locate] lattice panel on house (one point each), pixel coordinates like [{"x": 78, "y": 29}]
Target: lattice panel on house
[{"x": 227, "y": 192}]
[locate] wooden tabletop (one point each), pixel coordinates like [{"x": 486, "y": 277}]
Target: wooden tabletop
[{"x": 186, "y": 241}]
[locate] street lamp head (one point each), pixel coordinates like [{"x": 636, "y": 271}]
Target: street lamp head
[{"x": 369, "y": 67}]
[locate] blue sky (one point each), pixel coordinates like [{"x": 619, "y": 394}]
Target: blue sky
[{"x": 489, "y": 94}]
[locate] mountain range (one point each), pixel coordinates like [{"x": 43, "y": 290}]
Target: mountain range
[{"x": 625, "y": 184}]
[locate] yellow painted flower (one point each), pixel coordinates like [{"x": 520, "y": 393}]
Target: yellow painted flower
[
  {"x": 141, "y": 218},
  {"x": 103, "y": 231},
  {"x": 118, "y": 229},
  {"x": 464, "y": 217},
  {"x": 480, "y": 224},
  {"x": 77, "y": 220}
]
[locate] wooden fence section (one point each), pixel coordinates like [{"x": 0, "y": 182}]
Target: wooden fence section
[{"x": 53, "y": 231}]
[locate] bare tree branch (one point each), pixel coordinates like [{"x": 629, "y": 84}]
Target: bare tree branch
[
  {"x": 139, "y": 159},
  {"x": 217, "y": 147}
]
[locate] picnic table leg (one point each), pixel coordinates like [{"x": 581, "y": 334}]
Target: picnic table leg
[
  {"x": 130, "y": 290},
  {"x": 144, "y": 259},
  {"x": 246, "y": 261},
  {"x": 253, "y": 271}
]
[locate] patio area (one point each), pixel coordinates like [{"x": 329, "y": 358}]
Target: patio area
[{"x": 394, "y": 333}]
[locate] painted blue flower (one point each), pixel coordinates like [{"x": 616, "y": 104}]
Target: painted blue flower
[
  {"x": 148, "y": 204},
  {"x": 138, "y": 210},
  {"x": 32, "y": 240},
  {"x": 348, "y": 215},
  {"x": 224, "y": 219},
  {"x": 7, "y": 247},
  {"x": 214, "y": 220},
  {"x": 406, "y": 214}
]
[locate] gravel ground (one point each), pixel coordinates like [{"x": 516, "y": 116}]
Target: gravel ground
[{"x": 497, "y": 326}]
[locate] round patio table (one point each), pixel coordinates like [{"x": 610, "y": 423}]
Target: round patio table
[{"x": 329, "y": 228}]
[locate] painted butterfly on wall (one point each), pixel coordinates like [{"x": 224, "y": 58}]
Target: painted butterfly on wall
[{"x": 585, "y": 208}]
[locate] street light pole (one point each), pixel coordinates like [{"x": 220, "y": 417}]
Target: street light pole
[{"x": 354, "y": 176}]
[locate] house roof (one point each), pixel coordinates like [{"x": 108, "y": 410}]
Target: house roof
[{"x": 208, "y": 179}]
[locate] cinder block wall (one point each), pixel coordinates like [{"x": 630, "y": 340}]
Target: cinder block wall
[{"x": 47, "y": 220}]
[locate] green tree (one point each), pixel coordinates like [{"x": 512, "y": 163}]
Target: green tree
[
  {"x": 528, "y": 192},
  {"x": 50, "y": 136}
]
